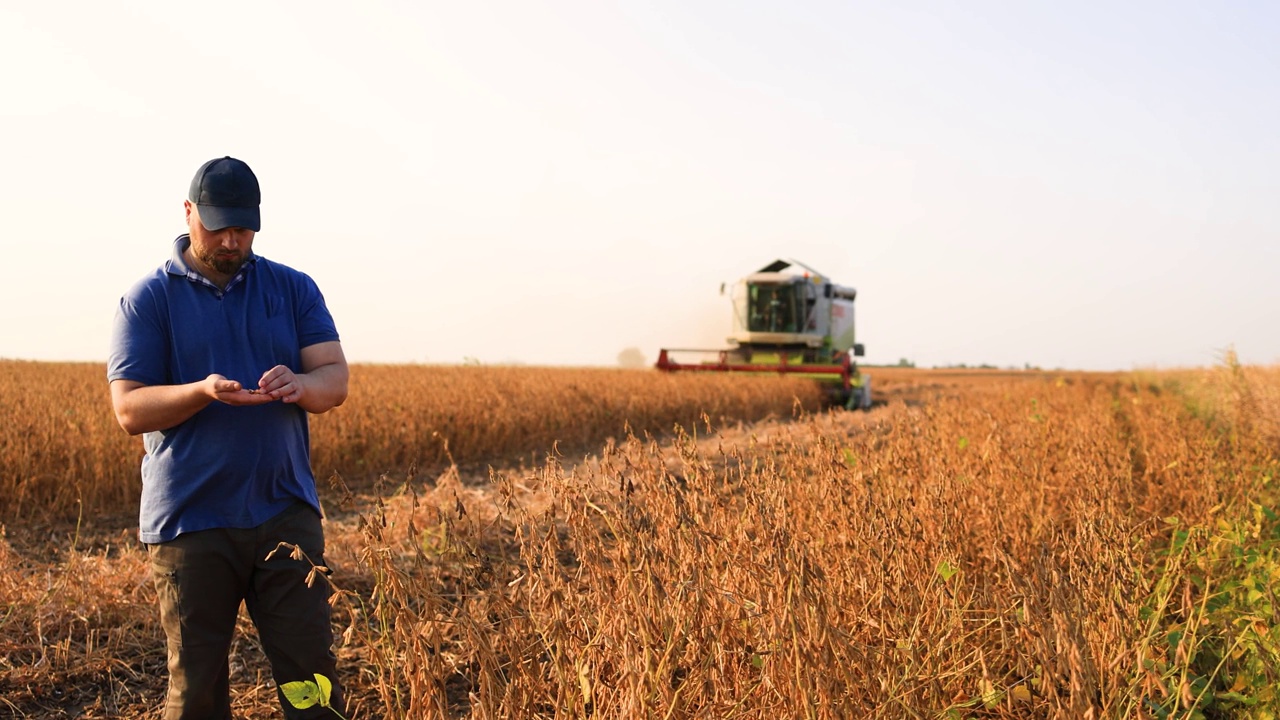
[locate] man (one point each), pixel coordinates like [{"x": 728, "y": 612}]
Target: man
[{"x": 216, "y": 359}]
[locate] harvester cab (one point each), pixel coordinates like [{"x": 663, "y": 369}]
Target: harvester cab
[{"x": 789, "y": 318}]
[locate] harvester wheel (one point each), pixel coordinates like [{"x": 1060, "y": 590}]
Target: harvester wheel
[{"x": 862, "y": 394}]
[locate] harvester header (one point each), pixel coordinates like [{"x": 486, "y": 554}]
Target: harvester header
[{"x": 789, "y": 318}]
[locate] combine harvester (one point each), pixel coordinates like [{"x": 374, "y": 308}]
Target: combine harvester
[{"x": 789, "y": 318}]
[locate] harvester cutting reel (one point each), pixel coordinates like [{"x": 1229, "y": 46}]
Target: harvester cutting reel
[{"x": 845, "y": 385}]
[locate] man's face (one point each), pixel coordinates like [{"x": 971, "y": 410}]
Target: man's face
[{"x": 220, "y": 251}]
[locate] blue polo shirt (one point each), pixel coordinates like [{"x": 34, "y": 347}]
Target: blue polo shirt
[{"x": 225, "y": 467}]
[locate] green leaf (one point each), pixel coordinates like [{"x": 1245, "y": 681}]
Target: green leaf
[
  {"x": 326, "y": 689},
  {"x": 946, "y": 570},
  {"x": 301, "y": 694},
  {"x": 963, "y": 443},
  {"x": 1236, "y": 697}
]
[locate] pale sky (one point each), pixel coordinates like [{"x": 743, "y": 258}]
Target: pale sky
[{"x": 1086, "y": 185}]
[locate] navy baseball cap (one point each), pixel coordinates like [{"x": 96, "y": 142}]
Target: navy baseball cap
[{"x": 226, "y": 192}]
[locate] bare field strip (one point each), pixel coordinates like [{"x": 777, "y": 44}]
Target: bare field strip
[{"x": 1005, "y": 545}]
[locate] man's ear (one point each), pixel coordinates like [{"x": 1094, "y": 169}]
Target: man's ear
[{"x": 187, "y": 207}]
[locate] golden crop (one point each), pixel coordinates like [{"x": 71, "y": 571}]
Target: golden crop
[
  {"x": 62, "y": 452},
  {"x": 1016, "y": 546},
  {"x": 398, "y": 416}
]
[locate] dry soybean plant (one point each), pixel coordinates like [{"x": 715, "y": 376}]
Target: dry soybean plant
[
  {"x": 62, "y": 454},
  {"x": 1046, "y": 547},
  {"x": 1005, "y": 553}
]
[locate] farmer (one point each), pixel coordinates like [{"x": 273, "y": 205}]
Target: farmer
[{"x": 216, "y": 358}]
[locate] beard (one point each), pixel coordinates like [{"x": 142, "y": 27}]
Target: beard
[{"x": 224, "y": 262}]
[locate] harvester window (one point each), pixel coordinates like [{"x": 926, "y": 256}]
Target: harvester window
[{"x": 774, "y": 309}]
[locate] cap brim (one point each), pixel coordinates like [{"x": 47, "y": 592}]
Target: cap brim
[{"x": 217, "y": 217}]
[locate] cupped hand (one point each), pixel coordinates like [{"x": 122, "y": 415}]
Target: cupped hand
[{"x": 232, "y": 392}]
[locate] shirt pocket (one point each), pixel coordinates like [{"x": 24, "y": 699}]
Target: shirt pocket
[{"x": 274, "y": 305}]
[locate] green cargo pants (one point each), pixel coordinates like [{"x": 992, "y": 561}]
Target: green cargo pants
[{"x": 201, "y": 579}]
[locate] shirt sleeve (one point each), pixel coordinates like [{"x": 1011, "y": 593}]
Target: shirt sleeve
[
  {"x": 139, "y": 343},
  {"x": 315, "y": 323}
]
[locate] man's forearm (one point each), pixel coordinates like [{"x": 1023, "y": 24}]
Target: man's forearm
[
  {"x": 146, "y": 408},
  {"x": 325, "y": 387}
]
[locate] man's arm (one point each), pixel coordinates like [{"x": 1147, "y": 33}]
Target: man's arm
[
  {"x": 145, "y": 408},
  {"x": 324, "y": 366},
  {"x": 322, "y": 384}
]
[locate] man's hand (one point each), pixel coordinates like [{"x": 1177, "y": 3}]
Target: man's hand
[
  {"x": 233, "y": 393},
  {"x": 322, "y": 384},
  {"x": 280, "y": 383}
]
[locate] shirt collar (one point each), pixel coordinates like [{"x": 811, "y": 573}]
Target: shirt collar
[{"x": 177, "y": 265}]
